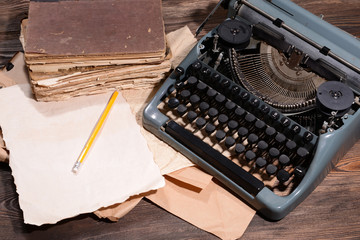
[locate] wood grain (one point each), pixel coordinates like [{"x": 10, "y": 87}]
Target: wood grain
[{"x": 331, "y": 212}]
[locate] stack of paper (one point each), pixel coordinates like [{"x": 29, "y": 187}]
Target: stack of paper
[{"x": 75, "y": 48}]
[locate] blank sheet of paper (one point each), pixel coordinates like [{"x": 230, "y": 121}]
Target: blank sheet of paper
[{"x": 45, "y": 140}]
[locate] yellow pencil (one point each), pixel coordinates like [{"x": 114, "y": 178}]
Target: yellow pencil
[{"x": 98, "y": 126}]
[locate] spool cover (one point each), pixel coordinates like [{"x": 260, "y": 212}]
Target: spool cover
[{"x": 333, "y": 96}]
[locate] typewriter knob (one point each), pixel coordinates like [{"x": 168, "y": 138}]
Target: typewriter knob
[
  {"x": 334, "y": 97},
  {"x": 234, "y": 34}
]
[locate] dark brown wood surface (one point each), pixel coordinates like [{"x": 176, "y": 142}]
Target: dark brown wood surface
[{"x": 332, "y": 211}]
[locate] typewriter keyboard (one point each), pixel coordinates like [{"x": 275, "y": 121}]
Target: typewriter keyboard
[{"x": 237, "y": 133}]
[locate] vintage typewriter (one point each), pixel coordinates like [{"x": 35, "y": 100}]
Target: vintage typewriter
[{"x": 267, "y": 102}]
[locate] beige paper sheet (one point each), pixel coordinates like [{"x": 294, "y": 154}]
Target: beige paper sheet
[{"x": 45, "y": 140}]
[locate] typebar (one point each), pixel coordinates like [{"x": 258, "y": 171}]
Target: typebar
[{"x": 234, "y": 172}]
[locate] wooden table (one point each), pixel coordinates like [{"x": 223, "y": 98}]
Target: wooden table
[{"x": 332, "y": 211}]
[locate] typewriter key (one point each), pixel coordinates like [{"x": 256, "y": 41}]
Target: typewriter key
[
  {"x": 260, "y": 162},
  {"x": 200, "y": 122},
  {"x": 173, "y": 102},
  {"x": 220, "y": 135},
  {"x": 181, "y": 109},
  {"x": 280, "y": 139},
  {"x": 229, "y": 142},
  {"x": 232, "y": 125},
  {"x": 290, "y": 146},
  {"x": 250, "y": 155},
  {"x": 213, "y": 112},
  {"x": 191, "y": 116},
  {"x": 239, "y": 148},
  {"x": 283, "y": 176},
  {"x": 262, "y": 146},
  {"x": 273, "y": 153},
  {"x": 284, "y": 160},
  {"x": 223, "y": 119},
  {"x": 204, "y": 106},
  {"x": 252, "y": 138},
  {"x": 271, "y": 169},
  {"x": 194, "y": 99},
  {"x": 210, "y": 128},
  {"x": 192, "y": 81},
  {"x": 229, "y": 105},
  {"x": 243, "y": 132}
]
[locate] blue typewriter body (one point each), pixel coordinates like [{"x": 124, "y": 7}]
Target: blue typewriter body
[{"x": 273, "y": 95}]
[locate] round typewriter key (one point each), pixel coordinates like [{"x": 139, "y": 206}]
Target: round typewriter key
[
  {"x": 215, "y": 78},
  {"x": 191, "y": 116},
  {"x": 295, "y": 128},
  {"x": 274, "y": 115},
  {"x": 271, "y": 169},
  {"x": 285, "y": 122},
  {"x": 265, "y": 109},
  {"x": 194, "y": 99},
  {"x": 204, "y": 106},
  {"x": 270, "y": 132},
  {"x": 308, "y": 136},
  {"x": 232, "y": 125},
  {"x": 173, "y": 102},
  {"x": 280, "y": 138},
  {"x": 230, "y": 105},
  {"x": 260, "y": 125},
  {"x": 229, "y": 141},
  {"x": 274, "y": 152},
  {"x": 220, "y": 98},
  {"x": 201, "y": 87},
  {"x": 213, "y": 112},
  {"x": 250, "y": 118},
  {"x": 262, "y": 146},
  {"x": 205, "y": 72},
  {"x": 196, "y": 66},
  {"x": 200, "y": 122},
  {"x": 239, "y": 148},
  {"x": 209, "y": 129},
  {"x": 250, "y": 155},
  {"x": 239, "y": 112},
  {"x": 252, "y": 138},
  {"x": 235, "y": 90},
  {"x": 181, "y": 109},
  {"x": 220, "y": 135},
  {"x": 260, "y": 162},
  {"x": 225, "y": 83},
  {"x": 299, "y": 171},
  {"x": 179, "y": 85},
  {"x": 185, "y": 94},
  {"x": 284, "y": 160},
  {"x": 290, "y": 145},
  {"x": 178, "y": 72},
  {"x": 254, "y": 102},
  {"x": 192, "y": 81},
  {"x": 243, "y": 132},
  {"x": 211, "y": 93},
  {"x": 244, "y": 96},
  {"x": 223, "y": 119},
  {"x": 283, "y": 175},
  {"x": 302, "y": 152}
]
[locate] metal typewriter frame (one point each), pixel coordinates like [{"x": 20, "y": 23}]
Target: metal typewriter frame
[{"x": 331, "y": 145}]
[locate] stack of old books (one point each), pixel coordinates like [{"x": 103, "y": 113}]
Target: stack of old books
[{"x": 75, "y": 48}]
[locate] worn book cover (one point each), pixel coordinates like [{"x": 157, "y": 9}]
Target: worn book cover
[{"x": 61, "y": 29}]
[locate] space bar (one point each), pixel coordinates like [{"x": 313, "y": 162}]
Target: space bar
[{"x": 232, "y": 171}]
